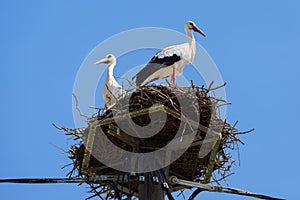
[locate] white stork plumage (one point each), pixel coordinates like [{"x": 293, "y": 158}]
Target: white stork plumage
[
  {"x": 170, "y": 60},
  {"x": 112, "y": 90}
]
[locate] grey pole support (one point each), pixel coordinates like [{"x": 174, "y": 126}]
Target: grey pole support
[{"x": 150, "y": 191}]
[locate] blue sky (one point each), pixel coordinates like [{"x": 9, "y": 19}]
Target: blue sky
[{"x": 255, "y": 44}]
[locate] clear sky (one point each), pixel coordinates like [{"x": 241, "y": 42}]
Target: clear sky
[{"x": 255, "y": 44}]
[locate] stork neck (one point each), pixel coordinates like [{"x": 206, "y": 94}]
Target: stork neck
[
  {"x": 110, "y": 69},
  {"x": 190, "y": 37}
]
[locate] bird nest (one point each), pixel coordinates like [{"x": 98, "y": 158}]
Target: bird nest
[{"x": 189, "y": 112}]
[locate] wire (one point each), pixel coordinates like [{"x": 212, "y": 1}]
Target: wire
[
  {"x": 43, "y": 180},
  {"x": 164, "y": 179},
  {"x": 129, "y": 187},
  {"x": 195, "y": 193}
]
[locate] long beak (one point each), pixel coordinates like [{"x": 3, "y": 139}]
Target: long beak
[
  {"x": 195, "y": 28},
  {"x": 104, "y": 60}
]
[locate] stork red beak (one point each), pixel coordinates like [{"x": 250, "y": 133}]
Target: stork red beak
[
  {"x": 195, "y": 28},
  {"x": 104, "y": 60}
]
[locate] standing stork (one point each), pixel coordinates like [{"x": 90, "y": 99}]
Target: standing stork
[
  {"x": 112, "y": 90},
  {"x": 170, "y": 60}
]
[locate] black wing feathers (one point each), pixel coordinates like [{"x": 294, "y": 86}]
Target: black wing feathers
[{"x": 154, "y": 65}]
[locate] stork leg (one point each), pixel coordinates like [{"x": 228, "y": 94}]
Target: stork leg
[{"x": 173, "y": 77}]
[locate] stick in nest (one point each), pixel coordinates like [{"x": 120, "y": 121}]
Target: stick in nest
[{"x": 77, "y": 107}]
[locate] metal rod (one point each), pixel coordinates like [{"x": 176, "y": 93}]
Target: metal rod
[{"x": 174, "y": 180}]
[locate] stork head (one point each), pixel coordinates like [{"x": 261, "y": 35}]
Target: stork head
[
  {"x": 190, "y": 25},
  {"x": 109, "y": 59}
]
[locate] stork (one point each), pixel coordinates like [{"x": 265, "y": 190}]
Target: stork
[
  {"x": 112, "y": 90},
  {"x": 170, "y": 60}
]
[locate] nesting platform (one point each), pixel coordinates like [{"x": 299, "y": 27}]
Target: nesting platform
[{"x": 191, "y": 115}]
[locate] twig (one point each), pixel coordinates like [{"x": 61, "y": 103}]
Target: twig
[
  {"x": 59, "y": 148},
  {"x": 235, "y": 123},
  {"x": 77, "y": 108},
  {"x": 218, "y": 87},
  {"x": 59, "y": 128},
  {"x": 210, "y": 86},
  {"x": 245, "y": 132}
]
